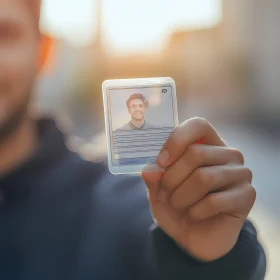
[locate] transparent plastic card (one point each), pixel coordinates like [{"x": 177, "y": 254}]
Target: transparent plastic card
[{"x": 140, "y": 114}]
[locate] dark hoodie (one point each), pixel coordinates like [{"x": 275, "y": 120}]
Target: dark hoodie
[{"x": 65, "y": 218}]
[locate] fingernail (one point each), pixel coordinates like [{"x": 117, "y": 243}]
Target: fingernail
[
  {"x": 153, "y": 168},
  {"x": 163, "y": 157}
]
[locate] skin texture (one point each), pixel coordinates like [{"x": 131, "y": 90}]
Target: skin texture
[
  {"x": 19, "y": 64},
  {"x": 137, "y": 110},
  {"x": 204, "y": 195}
]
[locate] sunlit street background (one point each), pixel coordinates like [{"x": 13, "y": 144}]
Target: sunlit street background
[{"x": 223, "y": 55}]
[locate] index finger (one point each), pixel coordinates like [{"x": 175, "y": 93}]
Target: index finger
[{"x": 189, "y": 132}]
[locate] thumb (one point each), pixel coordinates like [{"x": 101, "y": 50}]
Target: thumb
[{"x": 152, "y": 176}]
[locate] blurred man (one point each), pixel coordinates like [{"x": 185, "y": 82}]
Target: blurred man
[
  {"x": 136, "y": 105},
  {"x": 64, "y": 218}
]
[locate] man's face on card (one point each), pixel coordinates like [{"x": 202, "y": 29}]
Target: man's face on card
[
  {"x": 137, "y": 109},
  {"x": 19, "y": 46}
]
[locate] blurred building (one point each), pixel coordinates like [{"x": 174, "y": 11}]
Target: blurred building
[
  {"x": 235, "y": 64},
  {"x": 251, "y": 29},
  {"x": 227, "y": 71}
]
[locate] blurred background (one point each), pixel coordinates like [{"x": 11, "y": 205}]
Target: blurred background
[{"x": 223, "y": 55}]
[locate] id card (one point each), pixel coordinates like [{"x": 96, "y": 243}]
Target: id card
[{"x": 140, "y": 115}]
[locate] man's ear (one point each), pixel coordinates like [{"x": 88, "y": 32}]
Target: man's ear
[{"x": 46, "y": 52}]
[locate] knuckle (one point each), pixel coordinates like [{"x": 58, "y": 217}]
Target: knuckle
[
  {"x": 199, "y": 122},
  {"x": 212, "y": 200},
  {"x": 203, "y": 177},
  {"x": 248, "y": 173},
  {"x": 237, "y": 154},
  {"x": 252, "y": 193},
  {"x": 195, "y": 153}
]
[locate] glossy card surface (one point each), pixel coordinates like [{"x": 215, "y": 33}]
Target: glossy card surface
[{"x": 140, "y": 114}]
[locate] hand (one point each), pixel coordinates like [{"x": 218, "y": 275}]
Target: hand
[{"x": 204, "y": 195}]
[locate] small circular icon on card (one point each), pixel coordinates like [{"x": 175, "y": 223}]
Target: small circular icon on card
[{"x": 164, "y": 90}]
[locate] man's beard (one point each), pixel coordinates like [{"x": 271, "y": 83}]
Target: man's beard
[{"x": 10, "y": 126}]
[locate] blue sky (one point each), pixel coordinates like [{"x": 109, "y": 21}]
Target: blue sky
[{"x": 128, "y": 25}]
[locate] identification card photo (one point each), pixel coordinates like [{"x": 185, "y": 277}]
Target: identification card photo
[{"x": 140, "y": 115}]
